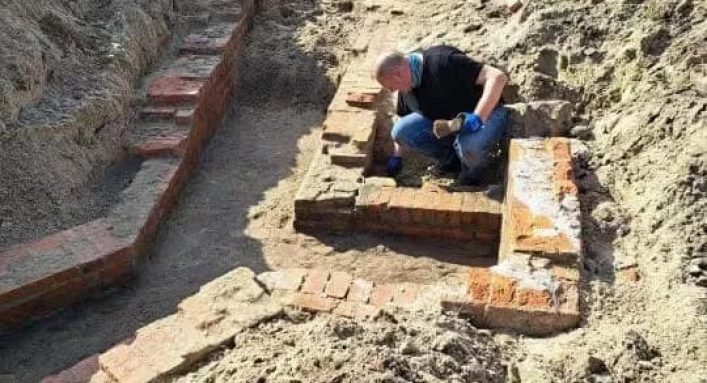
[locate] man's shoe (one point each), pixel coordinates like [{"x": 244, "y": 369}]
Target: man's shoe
[{"x": 394, "y": 165}]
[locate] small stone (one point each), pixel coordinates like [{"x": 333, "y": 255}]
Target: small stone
[
  {"x": 702, "y": 281},
  {"x": 644, "y": 365}
]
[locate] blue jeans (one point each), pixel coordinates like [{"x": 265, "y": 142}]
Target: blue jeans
[{"x": 414, "y": 131}]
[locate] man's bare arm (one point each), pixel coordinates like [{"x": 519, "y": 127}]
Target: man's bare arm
[{"x": 493, "y": 80}]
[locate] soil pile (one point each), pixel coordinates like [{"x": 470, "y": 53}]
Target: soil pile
[{"x": 300, "y": 348}]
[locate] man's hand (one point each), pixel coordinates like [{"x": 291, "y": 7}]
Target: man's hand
[{"x": 465, "y": 122}]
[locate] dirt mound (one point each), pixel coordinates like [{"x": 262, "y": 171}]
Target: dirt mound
[{"x": 300, "y": 348}]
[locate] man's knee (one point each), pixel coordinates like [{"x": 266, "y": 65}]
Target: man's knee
[{"x": 397, "y": 132}]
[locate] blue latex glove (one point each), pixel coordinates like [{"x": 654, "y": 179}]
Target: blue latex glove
[
  {"x": 395, "y": 164},
  {"x": 472, "y": 122}
]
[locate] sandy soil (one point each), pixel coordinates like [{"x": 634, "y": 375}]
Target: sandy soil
[{"x": 635, "y": 73}]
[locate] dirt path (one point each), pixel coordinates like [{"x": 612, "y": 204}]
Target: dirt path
[{"x": 237, "y": 209}]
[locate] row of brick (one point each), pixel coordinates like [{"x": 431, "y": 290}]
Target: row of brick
[
  {"x": 491, "y": 297},
  {"x": 336, "y": 292},
  {"x": 499, "y": 300},
  {"x": 39, "y": 277},
  {"x": 241, "y": 299},
  {"x": 430, "y": 212}
]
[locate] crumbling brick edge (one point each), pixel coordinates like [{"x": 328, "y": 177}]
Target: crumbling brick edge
[{"x": 102, "y": 254}]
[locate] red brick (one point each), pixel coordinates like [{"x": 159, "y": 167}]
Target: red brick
[
  {"x": 338, "y": 284},
  {"x": 314, "y": 302},
  {"x": 360, "y": 291},
  {"x": 479, "y": 284},
  {"x": 174, "y": 90},
  {"x": 405, "y": 294},
  {"x": 315, "y": 281},
  {"x": 399, "y": 208},
  {"x": 382, "y": 294},
  {"x": 425, "y": 203},
  {"x": 173, "y": 145},
  {"x": 455, "y": 209},
  {"x": 538, "y": 299},
  {"x": 380, "y": 203},
  {"x": 360, "y": 99},
  {"x": 502, "y": 290}
]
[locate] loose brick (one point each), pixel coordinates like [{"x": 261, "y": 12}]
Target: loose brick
[
  {"x": 360, "y": 99},
  {"x": 315, "y": 281},
  {"x": 360, "y": 291},
  {"x": 313, "y": 302},
  {"x": 338, "y": 284},
  {"x": 382, "y": 294}
]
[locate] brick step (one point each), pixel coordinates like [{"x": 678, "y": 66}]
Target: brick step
[
  {"x": 174, "y": 91},
  {"x": 157, "y": 139},
  {"x": 165, "y": 114},
  {"x": 212, "y": 41},
  {"x": 191, "y": 66}
]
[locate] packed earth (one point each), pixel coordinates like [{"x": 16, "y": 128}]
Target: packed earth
[{"x": 630, "y": 77}]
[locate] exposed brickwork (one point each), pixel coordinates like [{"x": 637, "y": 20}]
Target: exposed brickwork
[
  {"x": 174, "y": 90},
  {"x": 335, "y": 194},
  {"x": 192, "y": 93},
  {"x": 541, "y": 214}
]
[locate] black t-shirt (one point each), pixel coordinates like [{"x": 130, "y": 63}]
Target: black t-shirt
[{"x": 447, "y": 87}]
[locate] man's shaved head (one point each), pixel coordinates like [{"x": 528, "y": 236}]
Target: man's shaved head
[
  {"x": 389, "y": 62},
  {"x": 393, "y": 72}
]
